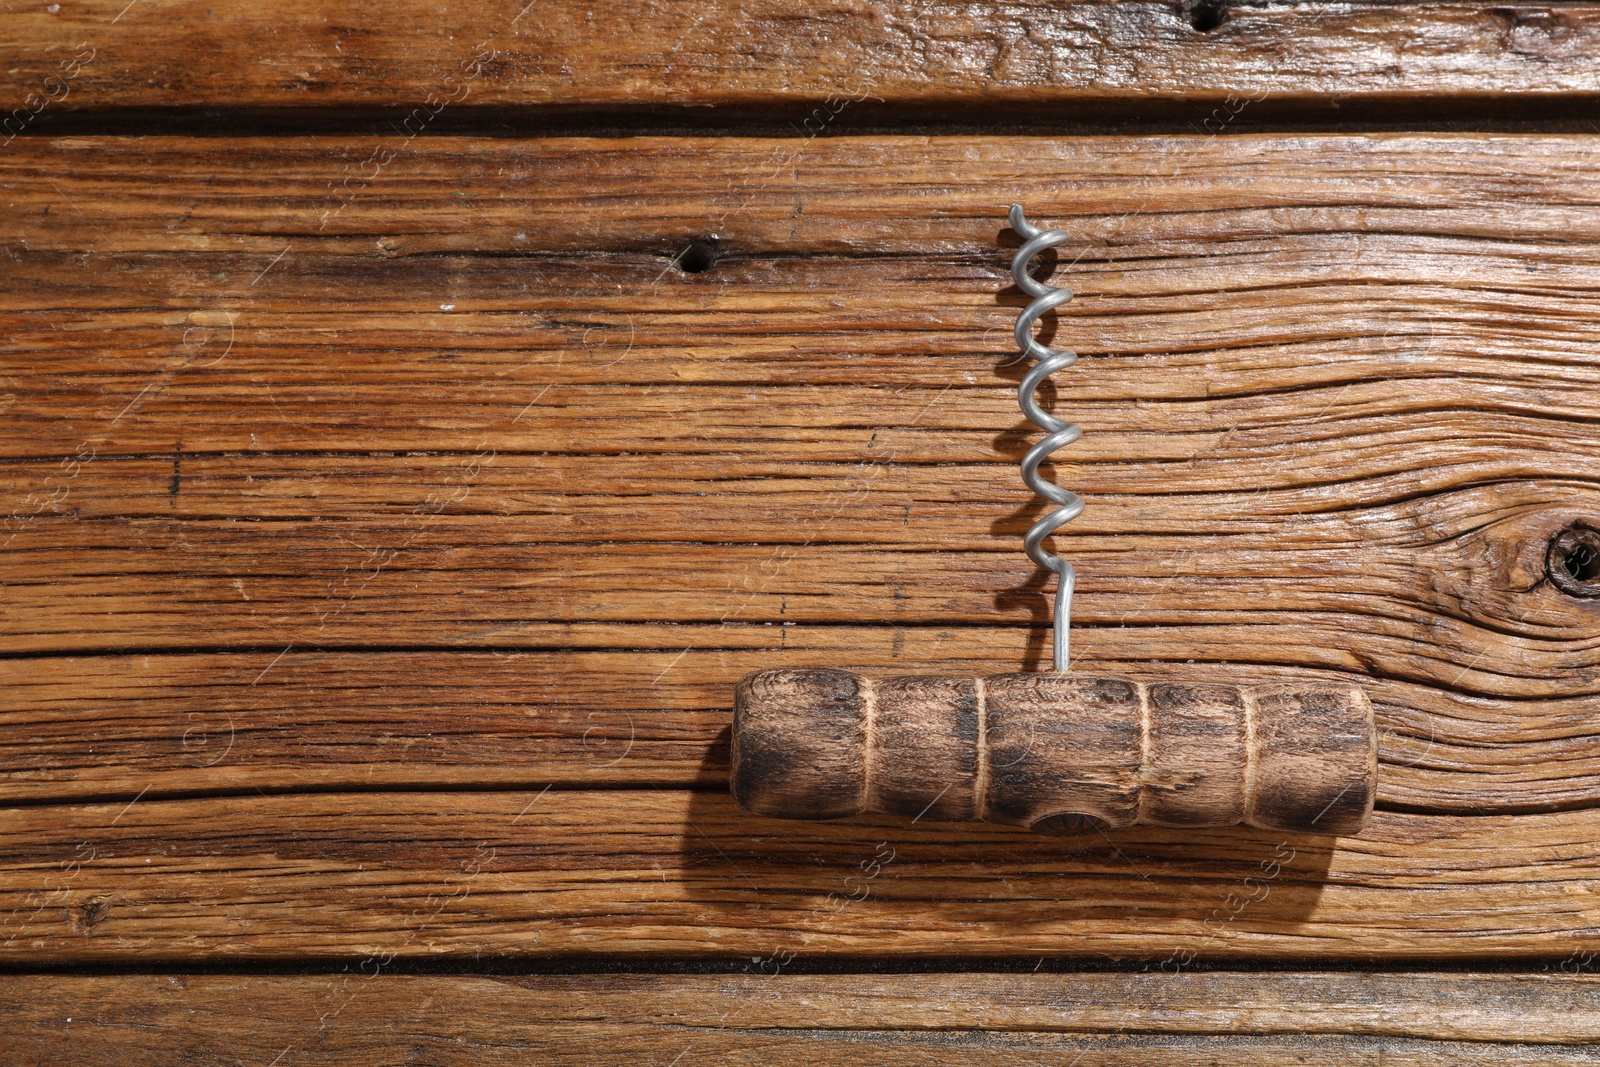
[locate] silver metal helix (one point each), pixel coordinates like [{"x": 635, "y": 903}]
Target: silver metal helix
[{"x": 1059, "y": 432}]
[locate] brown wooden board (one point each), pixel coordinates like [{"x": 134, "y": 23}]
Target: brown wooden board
[
  {"x": 818, "y": 438},
  {"x": 1050, "y": 58},
  {"x": 560, "y": 872},
  {"x": 655, "y": 714},
  {"x": 361, "y": 1019},
  {"x": 345, "y": 514},
  {"x": 1059, "y": 752}
]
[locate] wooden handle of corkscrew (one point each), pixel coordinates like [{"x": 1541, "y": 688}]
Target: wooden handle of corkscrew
[{"x": 1060, "y": 753}]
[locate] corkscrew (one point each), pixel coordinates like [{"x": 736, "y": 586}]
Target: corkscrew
[
  {"x": 1059, "y": 752},
  {"x": 1060, "y": 432}
]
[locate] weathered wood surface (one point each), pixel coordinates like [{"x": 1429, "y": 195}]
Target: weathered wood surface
[
  {"x": 769, "y": 442},
  {"x": 775, "y": 53},
  {"x": 655, "y": 715},
  {"x": 1287, "y": 208},
  {"x": 672, "y": 873},
  {"x": 352, "y": 1020},
  {"x": 1057, "y": 752},
  {"x": 317, "y": 489}
]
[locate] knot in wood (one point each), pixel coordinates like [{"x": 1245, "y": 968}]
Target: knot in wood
[{"x": 1573, "y": 560}]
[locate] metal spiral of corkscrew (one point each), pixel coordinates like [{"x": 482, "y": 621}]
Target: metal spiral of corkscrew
[{"x": 1059, "y": 432}]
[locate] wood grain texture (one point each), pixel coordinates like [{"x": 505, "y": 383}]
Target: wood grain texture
[
  {"x": 102, "y": 727},
  {"x": 1416, "y": 208},
  {"x": 1059, "y": 753},
  {"x": 803, "y": 459},
  {"x": 778, "y": 53},
  {"x": 396, "y": 485},
  {"x": 670, "y": 873},
  {"x": 352, "y": 1020}
]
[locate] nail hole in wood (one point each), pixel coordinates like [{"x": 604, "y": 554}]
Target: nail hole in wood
[
  {"x": 1573, "y": 561},
  {"x": 1205, "y": 15},
  {"x": 699, "y": 257}
]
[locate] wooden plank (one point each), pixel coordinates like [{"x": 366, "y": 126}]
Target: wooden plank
[
  {"x": 1208, "y": 290},
  {"x": 781, "y": 487},
  {"x": 673, "y": 873},
  {"x": 1340, "y": 396},
  {"x": 777, "y": 54},
  {"x": 1459, "y": 602},
  {"x": 427, "y": 578},
  {"x": 656, "y": 715},
  {"x": 836, "y": 195},
  {"x": 1307, "y": 1018},
  {"x": 1172, "y": 370}
]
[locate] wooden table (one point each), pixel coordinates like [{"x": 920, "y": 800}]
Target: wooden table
[{"x": 416, "y": 419}]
